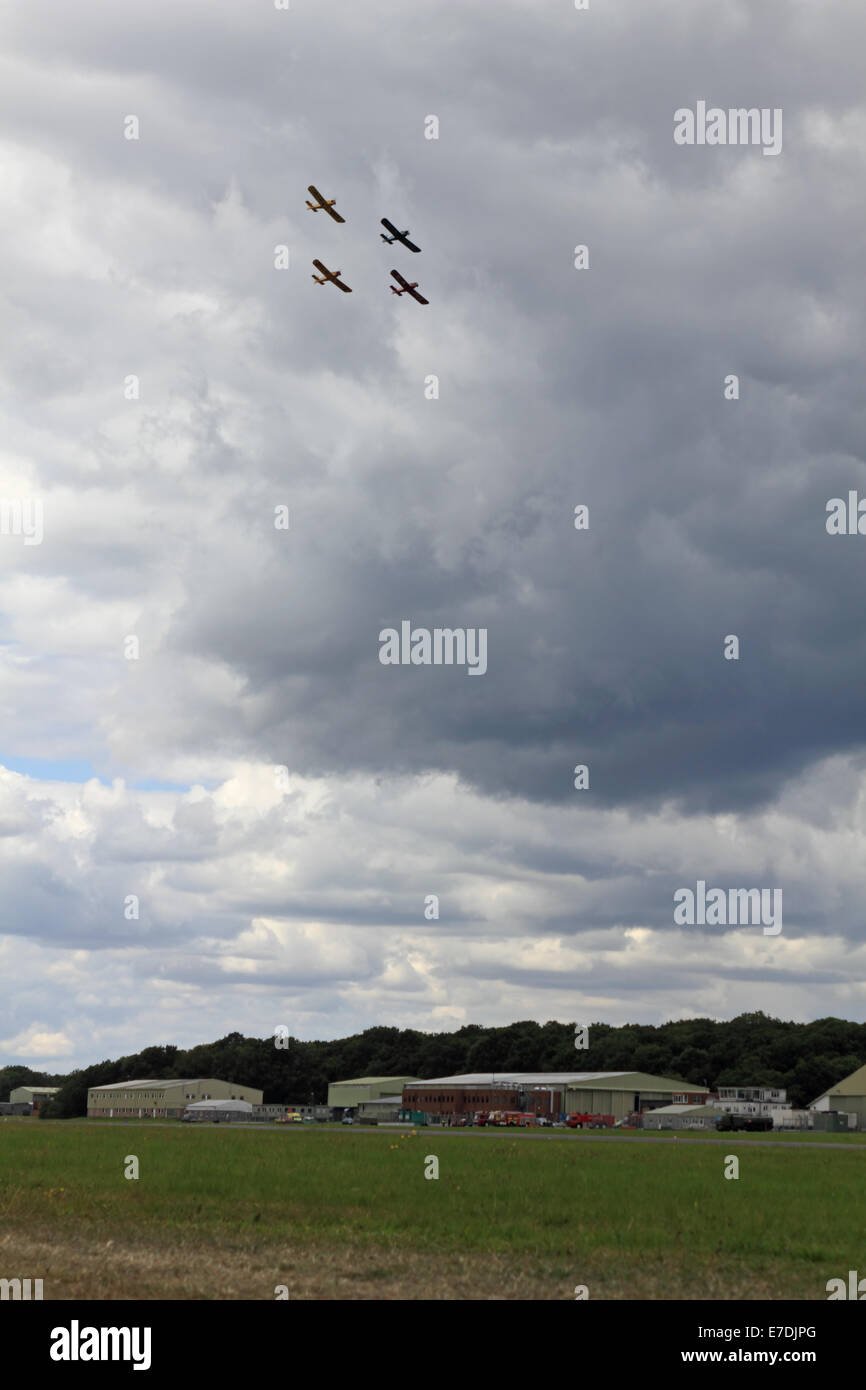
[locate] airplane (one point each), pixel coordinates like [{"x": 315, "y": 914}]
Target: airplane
[
  {"x": 320, "y": 203},
  {"x": 407, "y": 288},
  {"x": 332, "y": 275},
  {"x": 397, "y": 236}
]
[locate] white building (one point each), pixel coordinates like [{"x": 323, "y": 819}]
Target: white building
[
  {"x": 219, "y": 1110},
  {"x": 752, "y": 1101}
]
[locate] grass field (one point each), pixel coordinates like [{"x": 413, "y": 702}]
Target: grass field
[{"x": 230, "y": 1213}]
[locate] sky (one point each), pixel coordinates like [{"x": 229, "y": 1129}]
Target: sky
[{"x": 219, "y": 809}]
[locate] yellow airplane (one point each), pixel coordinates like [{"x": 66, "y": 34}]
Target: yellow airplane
[
  {"x": 323, "y": 203},
  {"x": 332, "y": 275}
]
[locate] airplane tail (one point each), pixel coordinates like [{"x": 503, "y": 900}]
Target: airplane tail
[{"x": 310, "y": 205}]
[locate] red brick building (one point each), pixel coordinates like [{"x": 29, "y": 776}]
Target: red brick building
[
  {"x": 453, "y": 1097},
  {"x": 552, "y": 1094}
]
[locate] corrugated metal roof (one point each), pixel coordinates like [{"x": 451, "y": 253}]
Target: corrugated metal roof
[
  {"x": 520, "y": 1078},
  {"x": 136, "y": 1085},
  {"x": 371, "y": 1080},
  {"x": 640, "y": 1080},
  {"x": 853, "y": 1085},
  {"x": 686, "y": 1110}
]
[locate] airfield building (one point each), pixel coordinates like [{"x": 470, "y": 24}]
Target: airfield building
[
  {"x": 383, "y": 1110},
  {"x": 217, "y": 1110},
  {"x": 847, "y": 1097},
  {"x": 347, "y": 1095},
  {"x": 617, "y": 1093},
  {"x": 32, "y": 1095},
  {"x": 682, "y": 1117},
  {"x": 123, "y": 1100},
  {"x": 751, "y": 1101}
]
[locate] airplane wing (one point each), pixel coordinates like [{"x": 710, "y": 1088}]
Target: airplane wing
[
  {"x": 399, "y": 278},
  {"x": 316, "y": 194},
  {"x": 323, "y": 268},
  {"x": 420, "y": 298},
  {"x": 332, "y": 212},
  {"x": 340, "y": 286},
  {"x": 390, "y": 226}
]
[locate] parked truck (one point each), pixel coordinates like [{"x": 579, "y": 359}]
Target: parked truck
[{"x": 578, "y": 1120}]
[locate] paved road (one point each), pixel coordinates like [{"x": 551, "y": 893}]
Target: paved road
[{"x": 438, "y": 1131}]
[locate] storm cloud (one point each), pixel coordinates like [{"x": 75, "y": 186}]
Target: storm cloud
[{"x": 298, "y": 897}]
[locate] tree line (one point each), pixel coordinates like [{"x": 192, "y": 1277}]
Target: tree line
[{"x": 751, "y": 1050}]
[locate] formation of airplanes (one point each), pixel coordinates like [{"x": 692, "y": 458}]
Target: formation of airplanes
[{"x": 332, "y": 277}]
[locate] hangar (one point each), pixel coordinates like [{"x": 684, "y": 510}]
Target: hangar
[
  {"x": 617, "y": 1093},
  {"x": 348, "y": 1095},
  {"x": 123, "y": 1100},
  {"x": 32, "y": 1095},
  {"x": 848, "y": 1096}
]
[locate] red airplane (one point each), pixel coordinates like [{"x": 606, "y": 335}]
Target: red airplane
[{"x": 407, "y": 288}]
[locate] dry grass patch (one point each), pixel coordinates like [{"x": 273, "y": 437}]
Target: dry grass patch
[{"x": 79, "y": 1266}]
